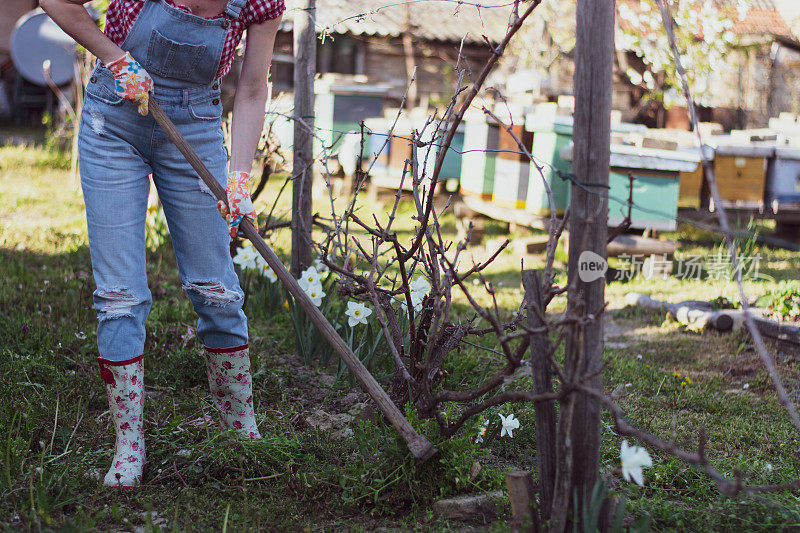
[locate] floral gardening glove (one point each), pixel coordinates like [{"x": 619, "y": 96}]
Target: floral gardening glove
[
  {"x": 132, "y": 81},
  {"x": 241, "y": 206}
]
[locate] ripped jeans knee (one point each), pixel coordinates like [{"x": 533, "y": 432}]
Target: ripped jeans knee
[
  {"x": 221, "y": 323},
  {"x": 213, "y": 293},
  {"x": 121, "y": 313},
  {"x": 114, "y": 303}
]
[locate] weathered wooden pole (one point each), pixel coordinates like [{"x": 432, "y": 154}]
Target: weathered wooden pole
[
  {"x": 305, "y": 67},
  {"x": 409, "y": 54},
  {"x": 521, "y": 494},
  {"x": 594, "y": 64}
]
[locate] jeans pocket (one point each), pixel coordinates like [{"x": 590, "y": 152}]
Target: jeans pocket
[
  {"x": 102, "y": 89},
  {"x": 171, "y": 59},
  {"x": 210, "y": 110}
]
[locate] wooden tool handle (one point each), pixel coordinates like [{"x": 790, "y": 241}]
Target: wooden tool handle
[{"x": 419, "y": 446}]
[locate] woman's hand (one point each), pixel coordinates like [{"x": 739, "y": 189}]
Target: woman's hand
[
  {"x": 132, "y": 81},
  {"x": 240, "y": 206}
]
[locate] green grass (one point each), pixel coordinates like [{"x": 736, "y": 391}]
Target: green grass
[{"x": 55, "y": 440}]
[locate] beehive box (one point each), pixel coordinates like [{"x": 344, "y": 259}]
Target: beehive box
[
  {"x": 690, "y": 191},
  {"x": 741, "y": 173},
  {"x": 655, "y": 187},
  {"x": 399, "y": 151},
  {"x": 655, "y": 198},
  {"x": 783, "y": 179},
  {"x": 481, "y": 141},
  {"x": 340, "y": 108},
  {"x": 378, "y": 143},
  {"x": 512, "y": 167},
  {"x": 394, "y": 150},
  {"x": 495, "y": 168},
  {"x": 550, "y": 135}
]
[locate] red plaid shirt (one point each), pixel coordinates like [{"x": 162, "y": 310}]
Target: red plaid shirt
[{"x": 122, "y": 14}]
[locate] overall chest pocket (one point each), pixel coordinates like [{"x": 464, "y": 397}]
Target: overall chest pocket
[{"x": 171, "y": 59}]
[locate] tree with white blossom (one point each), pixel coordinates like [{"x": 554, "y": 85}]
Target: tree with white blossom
[{"x": 704, "y": 34}]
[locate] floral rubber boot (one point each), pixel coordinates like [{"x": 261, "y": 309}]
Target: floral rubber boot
[
  {"x": 125, "y": 388},
  {"x": 228, "y": 371}
]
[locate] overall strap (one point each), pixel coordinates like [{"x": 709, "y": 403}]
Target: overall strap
[{"x": 234, "y": 8}]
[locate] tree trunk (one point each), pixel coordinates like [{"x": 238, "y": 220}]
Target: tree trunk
[
  {"x": 594, "y": 64},
  {"x": 305, "y": 57}
]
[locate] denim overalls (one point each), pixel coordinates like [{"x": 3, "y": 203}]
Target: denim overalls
[{"x": 118, "y": 149}]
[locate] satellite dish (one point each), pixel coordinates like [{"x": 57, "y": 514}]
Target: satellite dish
[{"x": 36, "y": 39}]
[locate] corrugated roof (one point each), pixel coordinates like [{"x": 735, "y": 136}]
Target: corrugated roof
[
  {"x": 435, "y": 20},
  {"x": 762, "y": 17},
  {"x": 763, "y": 21}
]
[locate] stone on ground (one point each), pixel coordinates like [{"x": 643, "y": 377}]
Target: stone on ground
[{"x": 468, "y": 507}]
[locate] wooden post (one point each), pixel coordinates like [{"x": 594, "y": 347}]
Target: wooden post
[
  {"x": 410, "y": 60},
  {"x": 520, "y": 493},
  {"x": 305, "y": 58},
  {"x": 594, "y": 63},
  {"x": 545, "y": 412}
]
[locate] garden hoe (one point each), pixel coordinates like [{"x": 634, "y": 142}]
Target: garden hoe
[{"x": 419, "y": 446}]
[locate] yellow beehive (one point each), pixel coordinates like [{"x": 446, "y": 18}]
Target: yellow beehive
[
  {"x": 691, "y": 186},
  {"x": 741, "y": 173}
]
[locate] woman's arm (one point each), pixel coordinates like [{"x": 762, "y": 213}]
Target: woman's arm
[
  {"x": 71, "y": 16},
  {"x": 251, "y": 94}
]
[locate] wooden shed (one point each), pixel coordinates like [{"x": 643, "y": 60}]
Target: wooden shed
[{"x": 383, "y": 44}]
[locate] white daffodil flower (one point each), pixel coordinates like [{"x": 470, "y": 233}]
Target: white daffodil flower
[
  {"x": 357, "y": 313},
  {"x": 319, "y": 265},
  {"x": 246, "y": 257},
  {"x": 420, "y": 285},
  {"x": 509, "y": 425},
  {"x": 316, "y": 294},
  {"x": 634, "y": 459},
  {"x": 311, "y": 276},
  {"x": 267, "y": 271},
  {"x": 401, "y": 301},
  {"x": 416, "y": 300},
  {"x": 305, "y": 284}
]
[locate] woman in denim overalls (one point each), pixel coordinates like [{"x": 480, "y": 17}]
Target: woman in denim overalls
[{"x": 172, "y": 56}]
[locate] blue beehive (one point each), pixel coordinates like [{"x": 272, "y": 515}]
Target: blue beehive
[{"x": 783, "y": 179}]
